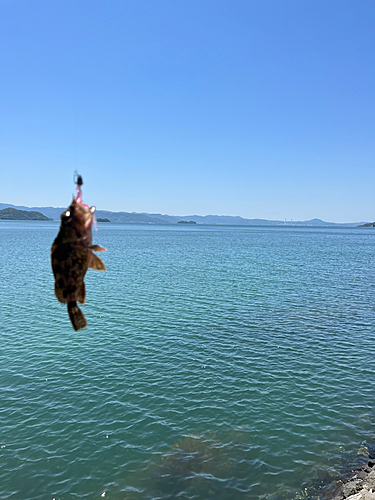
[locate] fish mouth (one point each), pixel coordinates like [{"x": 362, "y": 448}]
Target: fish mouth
[
  {"x": 90, "y": 216},
  {"x": 84, "y": 212}
]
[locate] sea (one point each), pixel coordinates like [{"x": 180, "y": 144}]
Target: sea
[{"x": 219, "y": 362}]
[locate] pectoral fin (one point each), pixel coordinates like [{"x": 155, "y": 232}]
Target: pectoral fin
[
  {"x": 96, "y": 263},
  {"x": 98, "y": 248}
]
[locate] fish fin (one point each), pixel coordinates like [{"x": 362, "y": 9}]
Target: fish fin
[
  {"x": 98, "y": 248},
  {"x": 76, "y": 316},
  {"x": 59, "y": 289},
  {"x": 96, "y": 263},
  {"x": 82, "y": 294}
]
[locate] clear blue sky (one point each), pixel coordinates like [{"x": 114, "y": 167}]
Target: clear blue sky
[{"x": 258, "y": 108}]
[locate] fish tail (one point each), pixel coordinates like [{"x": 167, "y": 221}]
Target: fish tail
[{"x": 76, "y": 316}]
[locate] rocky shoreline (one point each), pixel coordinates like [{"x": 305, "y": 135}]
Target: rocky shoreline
[{"x": 359, "y": 484}]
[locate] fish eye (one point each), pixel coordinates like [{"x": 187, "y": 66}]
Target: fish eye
[{"x": 65, "y": 216}]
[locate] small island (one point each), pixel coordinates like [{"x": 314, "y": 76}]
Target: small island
[
  {"x": 102, "y": 220},
  {"x": 186, "y": 222},
  {"x": 14, "y": 214},
  {"x": 369, "y": 224}
]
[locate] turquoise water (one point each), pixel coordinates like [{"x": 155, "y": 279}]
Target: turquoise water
[{"x": 218, "y": 363}]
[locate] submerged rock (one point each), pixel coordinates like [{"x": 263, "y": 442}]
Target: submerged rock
[{"x": 359, "y": 485}]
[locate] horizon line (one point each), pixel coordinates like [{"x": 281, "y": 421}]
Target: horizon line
[{"x": 284, "y": 221}]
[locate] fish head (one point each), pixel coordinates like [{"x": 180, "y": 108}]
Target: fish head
[{"x": 76, "y": 222}]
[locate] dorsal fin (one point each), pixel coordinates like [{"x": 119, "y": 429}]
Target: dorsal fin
[{"x": 98, "y": 248}]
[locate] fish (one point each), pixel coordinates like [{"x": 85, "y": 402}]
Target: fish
[{"x": 71, "y": 256}]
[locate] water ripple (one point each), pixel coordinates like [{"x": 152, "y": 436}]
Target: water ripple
[{"x": 218, "y": 363}]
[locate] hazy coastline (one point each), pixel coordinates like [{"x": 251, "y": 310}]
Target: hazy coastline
[{"x": 146, "y": 218}]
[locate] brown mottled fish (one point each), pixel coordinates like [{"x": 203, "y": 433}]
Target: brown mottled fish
[{"x": 71, "y": 256}]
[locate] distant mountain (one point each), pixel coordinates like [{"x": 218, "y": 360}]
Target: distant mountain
[
  {"x": 50, "y": 212},
  {"x": 128, "y": 218},
  {"x": 240, "y": 221},
  {"x": 14, "y": 214},
  {"x": 119, "y": 217},
  {"x": 145, "y": 218}
]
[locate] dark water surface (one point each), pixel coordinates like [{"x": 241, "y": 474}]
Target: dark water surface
[{"x": 218, "y": 363}]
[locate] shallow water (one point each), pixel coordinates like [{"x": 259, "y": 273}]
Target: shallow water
[{"x": 218, "y": 362}]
